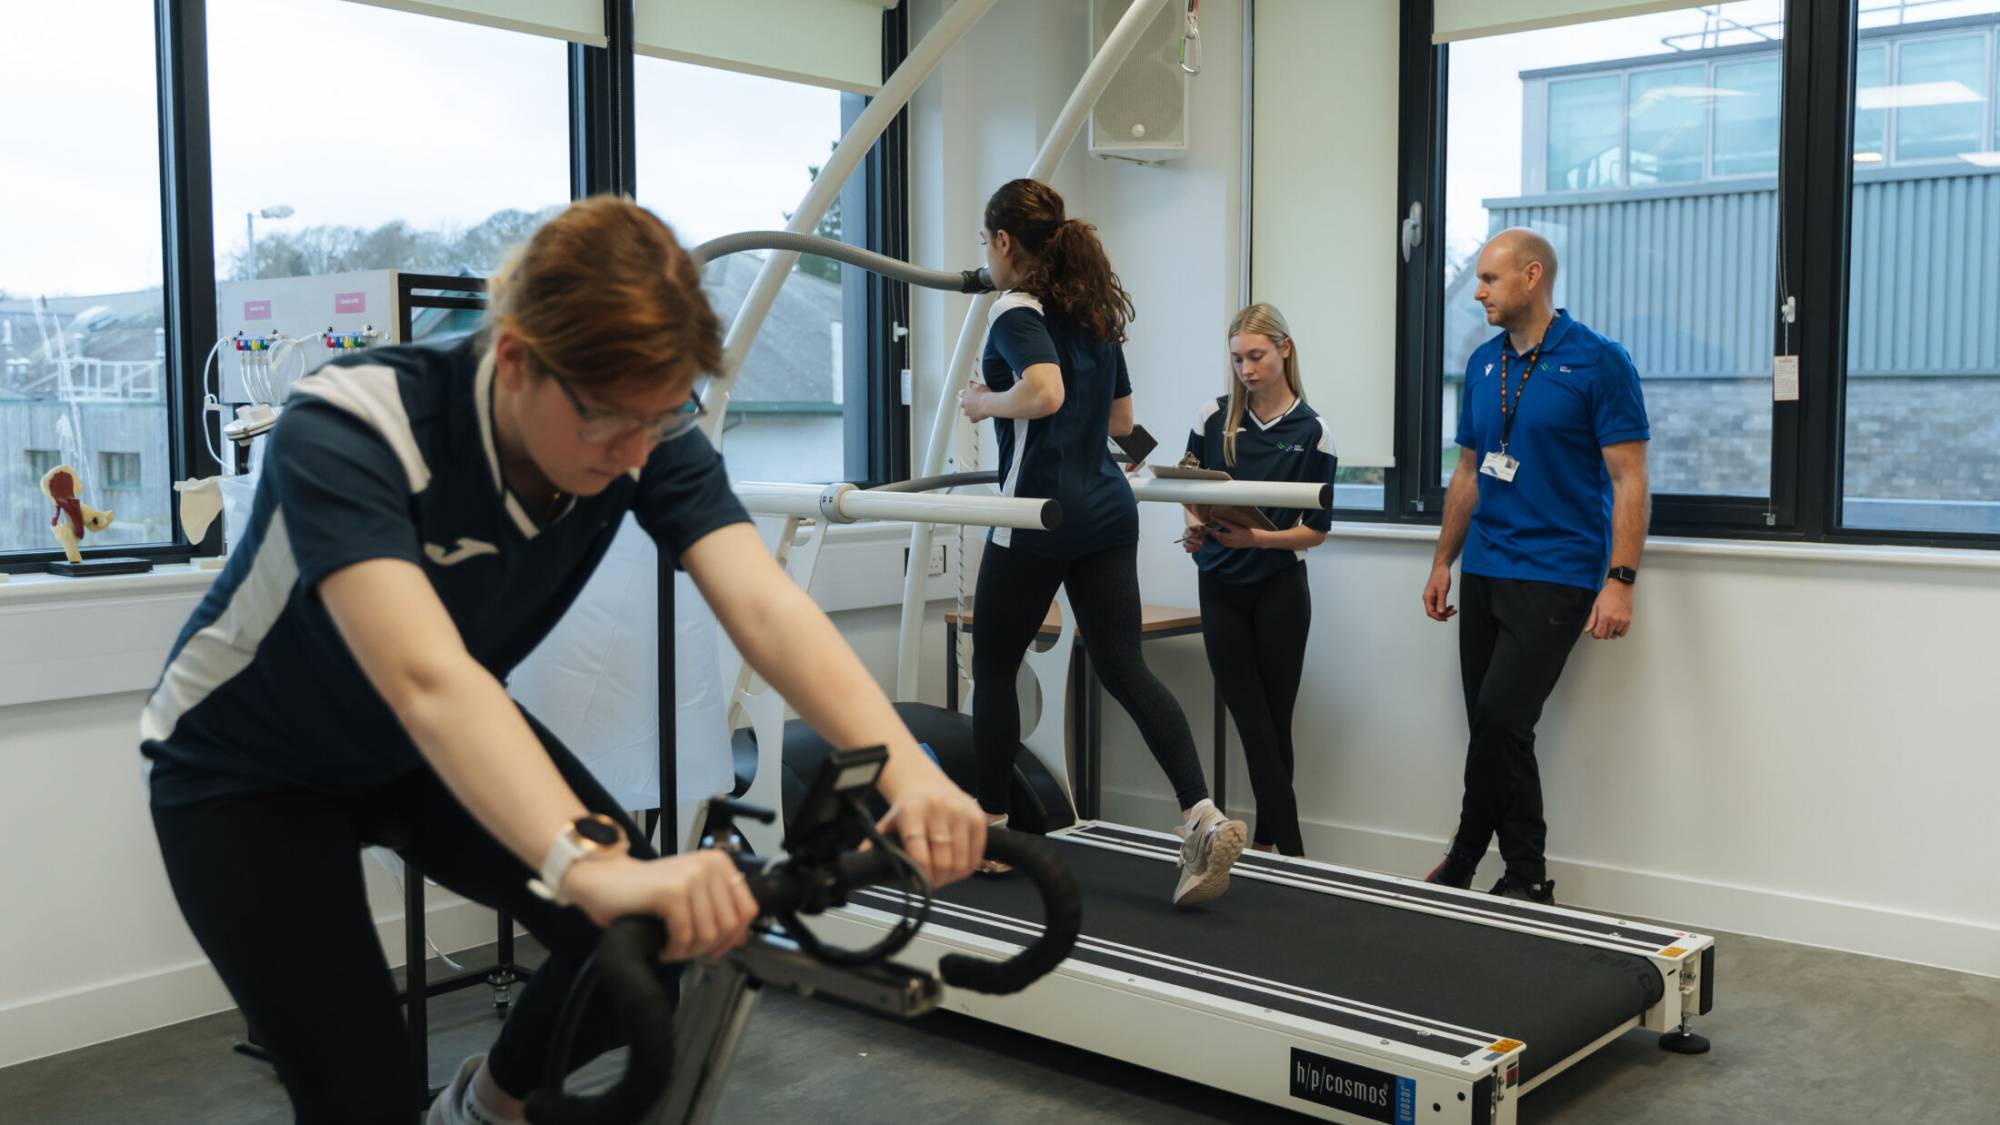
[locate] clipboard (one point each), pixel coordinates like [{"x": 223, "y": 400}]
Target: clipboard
[{"x": 1242, "y": 515}]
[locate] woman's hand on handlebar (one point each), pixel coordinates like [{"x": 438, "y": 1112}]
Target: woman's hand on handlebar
[
  {"x": 939, "y": 824},
  {"x": 702, "y": 897}
]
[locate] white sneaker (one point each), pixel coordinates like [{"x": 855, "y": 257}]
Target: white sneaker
[
  {"x": 455, "y": 1105},
  {"x": 1210, "y": 843}
]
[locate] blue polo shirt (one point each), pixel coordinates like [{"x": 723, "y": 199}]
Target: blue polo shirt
[
  {"x": 1296, "y": 446},
  {"x": 1064, "y": 456},
  {"x": 1553, "y": 522},
  {"x": 386, "y": 454}
]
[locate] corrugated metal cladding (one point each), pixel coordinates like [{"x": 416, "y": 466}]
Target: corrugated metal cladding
[{"x": 1688, "y": 283}]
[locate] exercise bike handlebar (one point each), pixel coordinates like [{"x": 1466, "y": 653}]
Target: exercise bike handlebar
[{"x": 630, "y": 949}]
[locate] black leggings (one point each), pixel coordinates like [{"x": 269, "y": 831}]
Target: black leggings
[
  {"x": 271, "y": 884},
  {"x": 1013, "y": 596},
  {"x": 1256, "y": 639},
  {"x": 1513, "y": 639}
]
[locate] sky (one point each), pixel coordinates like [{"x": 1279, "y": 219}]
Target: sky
[
  {"x": 350, "y": 114},
  {"x": 355, "y": 115}
]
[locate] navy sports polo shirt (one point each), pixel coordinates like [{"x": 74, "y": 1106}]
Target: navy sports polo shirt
[
  {"x": 1296, "y": 446},
  {"x": 1553, "y": 522},
  {"x": 1064, "y": 456},
  {"x": 385, "y": 454}
]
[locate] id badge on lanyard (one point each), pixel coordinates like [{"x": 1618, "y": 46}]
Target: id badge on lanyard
[{"x": 1501, "y": 465}]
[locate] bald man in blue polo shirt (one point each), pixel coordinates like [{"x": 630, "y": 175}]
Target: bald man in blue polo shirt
[{"x": 1549, "y": 504}]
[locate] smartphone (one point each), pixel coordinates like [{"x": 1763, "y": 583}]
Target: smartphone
[{"x": 1133, "y": 447}]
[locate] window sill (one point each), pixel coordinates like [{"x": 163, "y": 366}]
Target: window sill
[
  {"x": 1836, "y": 553},
  {"x": 73, "y": 638},
  {"x": 43, "y": 589}
]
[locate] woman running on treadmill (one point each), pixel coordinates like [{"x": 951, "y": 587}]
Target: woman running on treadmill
[
  {"x": 1054, "y": 381},
  {"x": 1255, "y": 605},
  {"x": 425, "y": 516}
]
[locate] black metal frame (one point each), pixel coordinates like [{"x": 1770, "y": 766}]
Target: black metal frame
[
  {"x": 602, "y": 133},
  {"x": 875, "y": 204},
  {"x": 1815, "y": 188},
  {"x": 433, "y": 291}
]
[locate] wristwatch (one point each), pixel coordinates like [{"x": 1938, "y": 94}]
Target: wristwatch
[
  {"x": 1625, "y": 574},
  {"x": 587, "y": 837}
]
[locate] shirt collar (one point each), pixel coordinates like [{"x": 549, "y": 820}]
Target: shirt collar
[
  {"x": 1551, "y": 339},
  {"x": 482, "y": 405},
  {"x": 1263, "y": 425}
]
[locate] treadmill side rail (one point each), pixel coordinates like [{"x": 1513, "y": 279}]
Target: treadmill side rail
[{"x": 1319, "y": 1070}]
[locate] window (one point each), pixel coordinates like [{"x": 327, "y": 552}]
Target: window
[
  {"x": 1871, "y": 125},
  {"x": 1746, "y": 117},
  {"x": 1940, "y": 97},
  {"x": 40, "y": 461},
  {"x": 1585, "y": 142},
  {"x": 448, "y": 147},
  {"x": 721, "y": 152},
  {"x": 1678, "y": 270},
  {"x": 118, "y": 470},
  {"x": 1666, "y": 111},
  {"x": 1923, "y": 317},
  {"x": 81, "y": 349}
]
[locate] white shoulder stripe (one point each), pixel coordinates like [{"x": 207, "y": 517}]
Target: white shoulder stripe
[
  {"x": 1010, "y": 300},
  {"x": 1325, "y": 437},
  {"x": 1209, "y": 409},
  {"x": 221, "y": 651},
  {"x": 370, "y": 393}
]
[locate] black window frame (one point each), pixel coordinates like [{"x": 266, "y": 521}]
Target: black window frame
[
  {"x": 602, "y": 159},
  {"x": 1815, "y": 187}
]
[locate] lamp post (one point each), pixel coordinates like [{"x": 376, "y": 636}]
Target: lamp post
[{"x": 276, "y": 211}]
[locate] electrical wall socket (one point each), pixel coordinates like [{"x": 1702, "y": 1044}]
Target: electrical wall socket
[{"x": 936, "y": 569}]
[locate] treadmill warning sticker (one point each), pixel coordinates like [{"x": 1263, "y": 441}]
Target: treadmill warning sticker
[{"x": 1374, "y": 1094}]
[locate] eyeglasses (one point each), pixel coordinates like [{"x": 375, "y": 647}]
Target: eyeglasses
[{"x": 598, "y": 427}]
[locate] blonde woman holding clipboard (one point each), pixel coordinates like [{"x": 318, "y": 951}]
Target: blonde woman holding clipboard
[{"x": 1255, "y": 605}]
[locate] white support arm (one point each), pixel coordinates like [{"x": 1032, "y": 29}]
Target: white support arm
[{"x": 882, "y": 109}]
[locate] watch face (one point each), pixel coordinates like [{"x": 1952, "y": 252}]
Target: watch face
[{"x": 599, "y": 830}]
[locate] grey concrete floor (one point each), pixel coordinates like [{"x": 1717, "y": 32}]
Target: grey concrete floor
[{"x": 1801, "y": 1035}]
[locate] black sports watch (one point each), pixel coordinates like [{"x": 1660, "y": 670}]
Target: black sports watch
[{"x": 1625, "y": 574}]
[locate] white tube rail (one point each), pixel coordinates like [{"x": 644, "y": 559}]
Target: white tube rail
[
  {"x": 1246, "y": 493},
  {"x": 846, "y": 503}
]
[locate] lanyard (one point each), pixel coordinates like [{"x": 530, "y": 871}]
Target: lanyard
[{"x": 1509, "y": 411}]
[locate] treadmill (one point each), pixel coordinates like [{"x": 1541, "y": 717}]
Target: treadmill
[{"x": 1343, "y": 995}]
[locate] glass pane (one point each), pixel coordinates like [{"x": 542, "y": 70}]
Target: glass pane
[
  {"x": 1678, "y": 270},
  {"x": 721, "y": 152},
  {"x": 443, "y": 152},
  {"x": 1871, "y": 126},
  {"x": 82, "y": 337},
  {"x": 1746, "y": 117},
  {"x": 1940, "y": 97},
  {"x": 1923, "y": 352},
  {"x": 1584, "y": 126},
  {"x": 1666, "y": 109}
]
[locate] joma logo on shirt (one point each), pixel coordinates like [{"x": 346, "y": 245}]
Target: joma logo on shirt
[{"x": 465, "y": 549}]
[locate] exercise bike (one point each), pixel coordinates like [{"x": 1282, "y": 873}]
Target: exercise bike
[{"x": 680, "y": 1054}]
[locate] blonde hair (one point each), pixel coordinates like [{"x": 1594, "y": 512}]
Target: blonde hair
[
  {"x": 1264, "y": 320},
  {"x": 604, "y": 293}
]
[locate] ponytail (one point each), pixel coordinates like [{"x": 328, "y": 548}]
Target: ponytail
[{"x": 1065, "y": 265}]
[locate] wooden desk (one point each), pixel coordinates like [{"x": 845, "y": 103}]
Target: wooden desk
[{"x": 1087, "y": 721}]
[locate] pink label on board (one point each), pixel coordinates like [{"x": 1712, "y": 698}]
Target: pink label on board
[
  {"x": 256, "y": 310},
  {"x": 350, "y": 302}
]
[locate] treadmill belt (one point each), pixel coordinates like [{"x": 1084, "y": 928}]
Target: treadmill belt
[{"x": 1442, "y": 973}]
